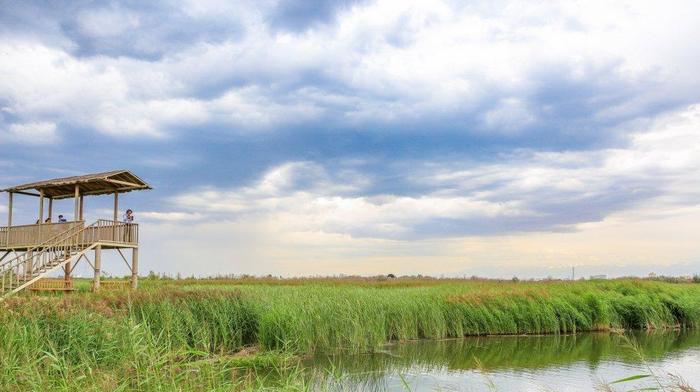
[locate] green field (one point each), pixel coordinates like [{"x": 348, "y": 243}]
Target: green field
[{"x": 249, "y": 333}]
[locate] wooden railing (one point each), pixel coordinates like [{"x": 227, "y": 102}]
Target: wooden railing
[
  {"x": 27, "y": 267},
  {"x": 52, "y": 285},
  {"x": 103, "y": 230},
  {"x": 110, "y": 231},
  {"x": 114, "y": 284},
  {"x": 30, "y": 235}
]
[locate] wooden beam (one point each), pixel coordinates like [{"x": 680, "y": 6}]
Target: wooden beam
[
  {"x": 26, "y": 193},
  {"x": 83, "y": 256},
  {"x": 124, "y": 258},
  {"x": 124, "y": 183},
  {"x": 50, "y": 209},
  {"x": 98, "y": 192}
]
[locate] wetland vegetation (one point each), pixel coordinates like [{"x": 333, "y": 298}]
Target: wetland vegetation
[{"x": 240, "y": 334}]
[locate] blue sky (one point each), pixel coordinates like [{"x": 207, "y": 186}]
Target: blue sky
[{"x": 362, "y": 137}]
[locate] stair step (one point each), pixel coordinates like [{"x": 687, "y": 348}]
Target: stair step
[{"x": 15, "y": 282}]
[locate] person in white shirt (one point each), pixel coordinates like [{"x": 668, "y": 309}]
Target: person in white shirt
[
  {"x": 129, "y": 216},
  {"x": 128, "y": 219}
]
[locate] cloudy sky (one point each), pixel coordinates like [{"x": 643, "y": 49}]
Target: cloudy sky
[{"x": 365, "y": 137}]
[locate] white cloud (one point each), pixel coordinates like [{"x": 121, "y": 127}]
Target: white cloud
[
  {"x": 169, "y": 216},
  {"x": 152, "y": 117},
  {"x": 531, "y": 192},
  {"x": 510, "y": 115},
  {"x": 267, "y": 246},
  {"x": 284, "y": 225},
  {"x": 107, "y": 23},
  {"x": 31, "y": 133},
  {"x": 387, "y": 61},
  {"x": 284, "y": 195}
]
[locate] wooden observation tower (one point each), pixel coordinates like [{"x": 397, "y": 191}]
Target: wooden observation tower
[{"x": 29, "y": 253}]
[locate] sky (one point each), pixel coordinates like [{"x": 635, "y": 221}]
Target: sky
[{"x": 444, "y": 138}]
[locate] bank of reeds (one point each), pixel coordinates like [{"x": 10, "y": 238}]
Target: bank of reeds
[{"x": 168, "y": 335}]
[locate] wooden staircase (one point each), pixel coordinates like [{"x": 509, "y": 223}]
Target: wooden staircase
[{"x": 38, "y": 262}]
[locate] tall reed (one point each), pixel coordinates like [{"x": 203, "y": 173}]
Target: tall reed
[{"x": 169, "y": 335}]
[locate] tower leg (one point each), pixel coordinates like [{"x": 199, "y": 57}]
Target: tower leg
[
  {"x": 135, "y": 268},
  {"x": 66, "y": 274},
  {"x": 28, "y": 264},
  {"x": 98, "y": 267}
]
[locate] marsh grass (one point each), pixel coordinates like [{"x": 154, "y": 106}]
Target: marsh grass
[
  {"x": 661, "y": 381},
  {"x": 185, "y": 335}
]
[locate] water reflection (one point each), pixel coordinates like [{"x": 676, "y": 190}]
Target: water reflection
[{"x": 570, "y": 362}]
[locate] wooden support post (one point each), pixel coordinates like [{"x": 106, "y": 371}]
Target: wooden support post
[
  {"x": 135, "y": 268},
  {"x": 98, "y": 267},
  {"x": 76, "y": 213},
  {"x": 51, "y": 209},
  {"x": 81, "y": 207},
  {"x": 116, "y": 216},
  {"x": 67, "y": 273},
  {"x": 9, "y": 209},
  {"x": 9, "y": 217},
  {"x": 41, "y": 207},
  {"x": 41, "y": 213},
  {"x": 116, "y": 207},
  {"x": 67, "y": 268},
  {"x": 29, "y": 264}
]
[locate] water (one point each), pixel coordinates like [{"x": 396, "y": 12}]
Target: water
[{"x": 516, "y": 363}]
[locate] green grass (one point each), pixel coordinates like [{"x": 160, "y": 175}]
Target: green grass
[{"x": 183, "y": 335}]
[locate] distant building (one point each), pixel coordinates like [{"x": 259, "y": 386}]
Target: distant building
[{"x": 598, "y": 277}]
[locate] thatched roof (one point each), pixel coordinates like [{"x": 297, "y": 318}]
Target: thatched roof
[{"x": 119, "y": 181}]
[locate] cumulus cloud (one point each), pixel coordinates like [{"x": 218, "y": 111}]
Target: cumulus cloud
[
  {"x": 362, "y": 124},
  {"x": 533, "y": 191},
  {"x": 555, "y": 68},
  {"x": 169, "y": 216},
  {"x": 31, "y": 133}
]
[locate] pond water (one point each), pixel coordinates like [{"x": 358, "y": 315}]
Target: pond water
[{"x": 517, "y": 363}]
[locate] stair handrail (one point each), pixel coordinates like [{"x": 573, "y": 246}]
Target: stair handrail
[
  {"x": 46, "y": 244},
  {"x": 28, "y": 282}
]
